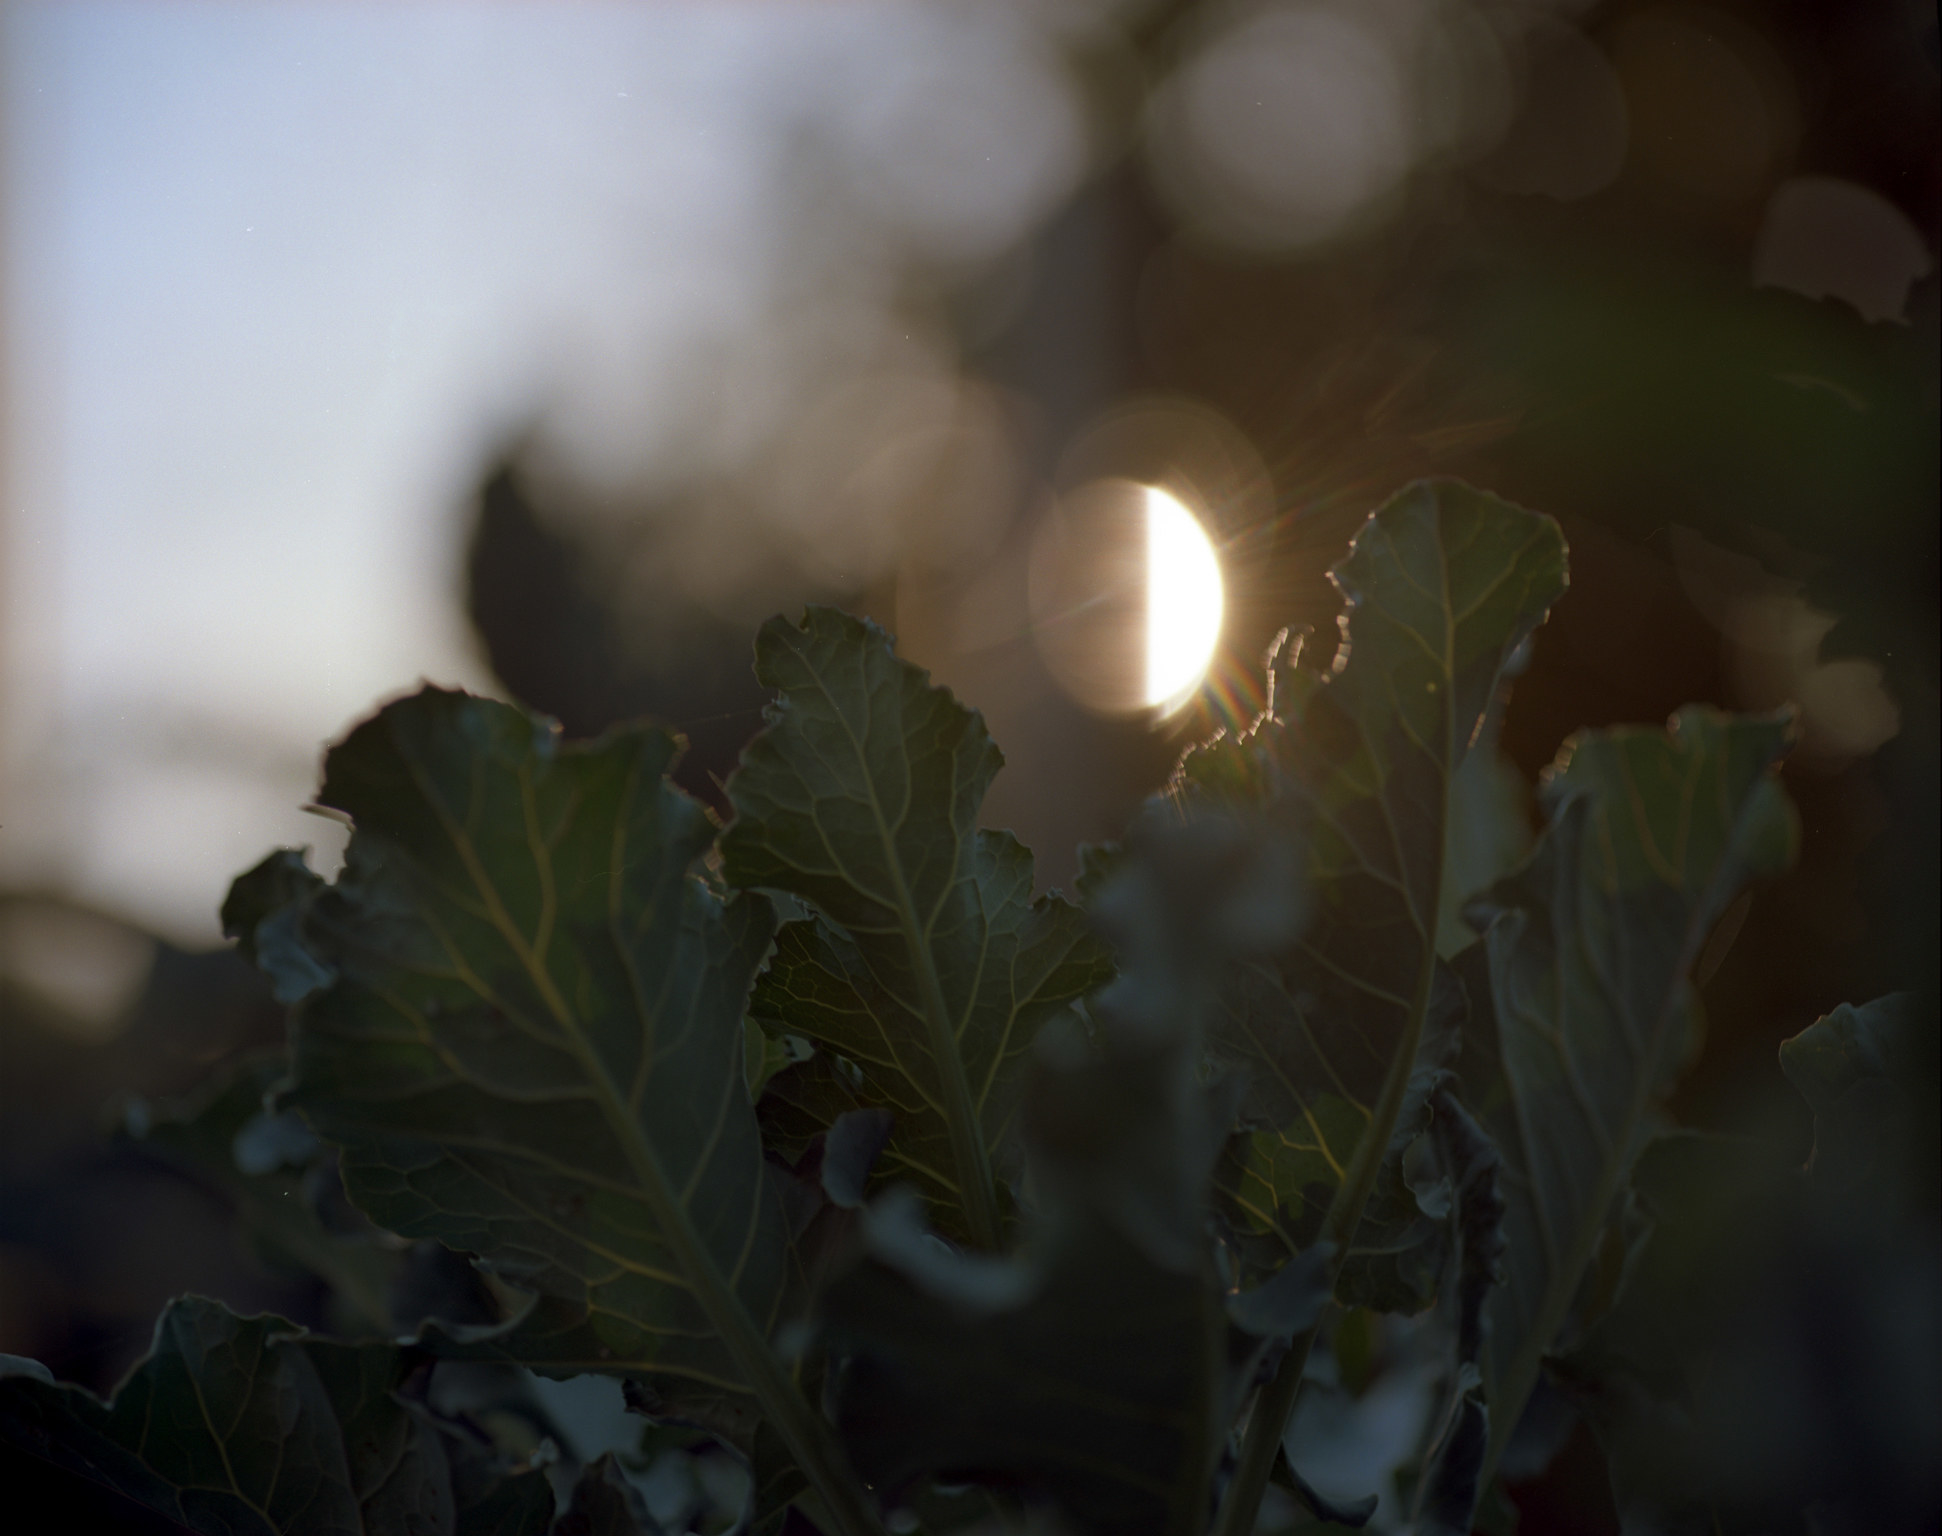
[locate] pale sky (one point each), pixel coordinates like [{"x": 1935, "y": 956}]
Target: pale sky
[{"x": 277, "y": 276}]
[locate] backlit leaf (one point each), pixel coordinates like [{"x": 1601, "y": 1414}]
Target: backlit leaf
[
  {"x": 1021, "y": 1373},
  {"x": 927, "y": 962},
  {"x": 1343, "y": 1028},
  {"x": 531, "y": 1046},
  {"x": 1652, "y": 834}
]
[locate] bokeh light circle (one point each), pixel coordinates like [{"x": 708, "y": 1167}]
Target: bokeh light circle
[{"x": 1127, "y": 598}]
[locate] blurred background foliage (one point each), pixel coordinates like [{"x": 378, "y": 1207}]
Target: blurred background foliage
[{"x": 1663, "y": 270}]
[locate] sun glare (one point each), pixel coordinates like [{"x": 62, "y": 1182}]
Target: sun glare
[{"x": 1184, "y": 601}]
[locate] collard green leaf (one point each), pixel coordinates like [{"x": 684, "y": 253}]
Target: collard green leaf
[
  {"x": 262, "y": 1162},
  {"x": 1277, "y": 1187},
  {"x": 927, "y": 962},
  {"x": 240, "y": 1426},
  {"x": 1652, "y": 834},
  {"x": 1443, "y": 585},
  {"x": 1855, "y": 1067},
  {"x": 264, "y": 912},
  {"x": 1772, "y": 1347},
  {"x": 1023, "y": 1373},
  {"x": 1344, "y": 1030},
  {"x": 1663, "y": 1374},
  {"x": 531, "y": 1047}
]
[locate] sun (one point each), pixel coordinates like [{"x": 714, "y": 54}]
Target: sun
[{"x": 1185, "y": 601}]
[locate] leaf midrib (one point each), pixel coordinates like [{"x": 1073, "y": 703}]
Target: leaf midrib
[
  {"x": 1240, "y": 1507},
  {"x": 967, "y": 1135},
  {"x": 811, "y": 1444},
  {"x": 1561, "y": 1283},
  {"x": 1352, "y": 1194}
]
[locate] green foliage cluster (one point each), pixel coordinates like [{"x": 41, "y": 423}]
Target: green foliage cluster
[{"x": 926, "y": 1202}]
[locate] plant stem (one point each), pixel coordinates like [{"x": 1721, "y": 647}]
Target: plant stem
[
  {"x": 1263, "y": 1440},
  {"x": 1242, "y": 1506}
]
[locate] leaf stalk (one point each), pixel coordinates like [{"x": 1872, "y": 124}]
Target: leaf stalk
[
  {"x": 1269, "y": 1421},
  {"x": 1259, "y": 1447},
  {"x": 808, "y": 1438},
  {"x": 973, "y": 1162}
]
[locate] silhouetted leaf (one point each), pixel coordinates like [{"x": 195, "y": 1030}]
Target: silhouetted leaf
[
  {"x": 241, "y": 1426},
  {"x": 1655, "y": 1370},
  {"x": 262, "y": 1161},
  {"x": 927, "y": 963},
  {"x": 1652, "y": 834},
  {"x": 264, "y": 913},
  {"x": 531, "y": 1045},
  {"x": 1855, "y": 1067},
  {"x": 804, "y": 1100},
  {"x": 1018, "y": 1373},
  {"x": 1772, "y": 1347},
  {"x": 507, "y": 1506},
  {"x": 1345, "y": 1026}
]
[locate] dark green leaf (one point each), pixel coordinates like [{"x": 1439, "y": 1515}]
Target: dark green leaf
[
  {"x": 264, "y": 913},
  {"x": 1772, "y": 1349},
  {"x": 521, "y": 1505},
  {"x": 1446, "y": 1503},
  {"x": 532, "y": 1047},
  {"x": 1443, "y": 584},
  {"x": 238, "y": 1426},
  {"x": 1655, "y": 1370},
  {"x": 927, "y": 962},
  {"x": 1652, "y": 834},
  {"x": 1476, "y": 1174},
  {"x": 1855, "y": 1067},
  {"x": 764, "y": 1055},
  {"x": 262, "y": 1162},
  {"x": 803, "y": 1101},
  {"x": 1022, "y": 1373}
]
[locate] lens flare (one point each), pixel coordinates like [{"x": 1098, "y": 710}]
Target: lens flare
[{"x": 1184, "y": 602}]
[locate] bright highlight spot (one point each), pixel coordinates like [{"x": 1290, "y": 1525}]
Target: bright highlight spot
[{"x": 1184, "y": 601}]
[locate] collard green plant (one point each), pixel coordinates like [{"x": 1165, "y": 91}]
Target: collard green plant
[
  {"x": 251, "y": 1425},
  {"x": 1591, "y": 1013},
  {"x": 1748, "y": 1277},
  {"x": 936, "y": 1201},
  {"x": 925, "y": 960}
]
